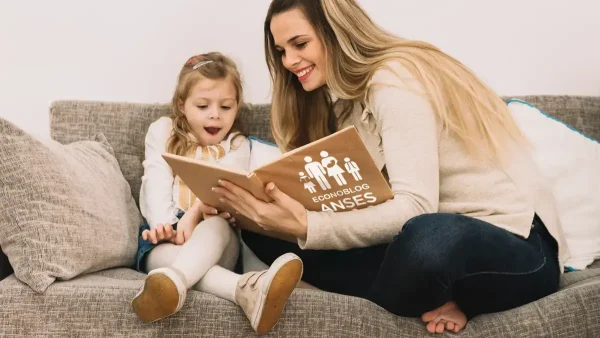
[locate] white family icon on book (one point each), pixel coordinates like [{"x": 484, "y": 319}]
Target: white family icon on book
[{"x": 327, "y": 167}]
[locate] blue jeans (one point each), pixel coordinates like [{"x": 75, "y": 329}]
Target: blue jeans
[{"x": 436, "y": 258}]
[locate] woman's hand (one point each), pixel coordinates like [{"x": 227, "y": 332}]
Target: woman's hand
[{"x": 284, "y": 214}]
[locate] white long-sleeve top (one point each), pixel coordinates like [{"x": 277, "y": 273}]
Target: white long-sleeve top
[{"x": 159, "y": 193}]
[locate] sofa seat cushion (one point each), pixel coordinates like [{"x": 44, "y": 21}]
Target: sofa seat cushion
[{"x": 99, "y": 305}]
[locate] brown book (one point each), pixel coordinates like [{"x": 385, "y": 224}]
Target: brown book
[{"x": 335, "y": 173}]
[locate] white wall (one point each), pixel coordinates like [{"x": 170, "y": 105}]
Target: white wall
[{"x": 131, "y": 50}]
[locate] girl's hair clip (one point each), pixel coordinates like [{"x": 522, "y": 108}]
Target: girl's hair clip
[
  {"x": 202, "y": 63},
  {"x": 197, "y": 61}
]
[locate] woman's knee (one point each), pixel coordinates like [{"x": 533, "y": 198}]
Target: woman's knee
[
  {"x": 431, "y": 223},
  {"x": 427, "y": 241}
]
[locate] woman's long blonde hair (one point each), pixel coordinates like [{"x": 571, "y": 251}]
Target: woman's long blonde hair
[
  {"x": 355, "y": 49},
  {"x": 212, "y": 66}
]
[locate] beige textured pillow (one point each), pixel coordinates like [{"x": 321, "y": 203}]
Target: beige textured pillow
[{"x": 65, "y": 210}]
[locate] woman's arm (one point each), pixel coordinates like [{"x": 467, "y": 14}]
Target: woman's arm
[
  {"x": 156, "y": 193},
  {"x": 409, "y": 133}
]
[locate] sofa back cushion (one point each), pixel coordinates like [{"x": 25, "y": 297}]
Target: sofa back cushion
[{"x": 125, "y": 126}]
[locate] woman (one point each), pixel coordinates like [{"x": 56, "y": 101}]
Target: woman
[{"x": 471, "y": 229}]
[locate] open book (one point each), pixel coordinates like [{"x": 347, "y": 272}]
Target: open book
[{"x": 335, "y": 173}]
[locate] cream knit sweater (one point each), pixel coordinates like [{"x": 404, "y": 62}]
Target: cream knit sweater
[{"x": 430, "y": 172}]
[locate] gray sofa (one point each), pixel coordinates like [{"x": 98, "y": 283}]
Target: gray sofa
[{"x": 97, "y": 305}]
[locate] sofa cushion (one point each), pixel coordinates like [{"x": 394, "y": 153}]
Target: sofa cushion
[
  {"x": 64, "y": 209},
  {"x": 570, "y": 163},
  {"x": 98, "y": 305},
  {"x": 580, "y": 112},
  {"x": 125, "y": 124}
]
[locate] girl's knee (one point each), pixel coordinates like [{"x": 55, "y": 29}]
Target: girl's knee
[
  {"x": 215, "y": 222},
  {"x": 215, "y": 226}
]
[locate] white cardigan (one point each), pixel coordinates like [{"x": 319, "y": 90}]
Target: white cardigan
[{"x": 159, "y": 194}]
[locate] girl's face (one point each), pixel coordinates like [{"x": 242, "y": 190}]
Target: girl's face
[
  {"x": 301, "y": 49},
  {"x": 211, "y": 109}
]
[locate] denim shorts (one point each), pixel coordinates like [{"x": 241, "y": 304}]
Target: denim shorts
[{"x": 144, "y": 246}]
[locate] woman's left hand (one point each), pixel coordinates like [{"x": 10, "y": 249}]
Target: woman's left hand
[{"x": 284, "y": 214}]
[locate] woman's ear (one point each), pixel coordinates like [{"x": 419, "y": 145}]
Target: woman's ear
[{"x": 180, "y": 105}]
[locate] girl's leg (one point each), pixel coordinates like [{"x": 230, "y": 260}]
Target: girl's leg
[
  {"x": 252, "y": 263},
  {"x": 161, "y": 256},
  {"x": 261, "y": 294},
  {"x": 220, "y": 280},
  {"x": 212, "y": 242},
  {"x": 448, "y": 268},
  {"x": 175, "y": 269}
]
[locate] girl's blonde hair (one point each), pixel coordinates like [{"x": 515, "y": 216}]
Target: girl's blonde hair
[
  {"x": 212, "y": 66},
  {"x": 355, "y": 49}
]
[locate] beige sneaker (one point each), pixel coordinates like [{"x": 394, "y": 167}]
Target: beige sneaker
[
  {"x": 263, "y": 294},
  {"x": 162, "y": 295}
]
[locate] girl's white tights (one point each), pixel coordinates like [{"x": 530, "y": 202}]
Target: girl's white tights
[{"x": 207, "y": 258}]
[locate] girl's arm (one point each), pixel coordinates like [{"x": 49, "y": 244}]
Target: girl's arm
[
  {"x": 409, "y": 132},
  {"x": 156, "y": 193}
]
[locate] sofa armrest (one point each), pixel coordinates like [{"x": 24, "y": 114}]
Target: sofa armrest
[{"x": 5, "y": 268}]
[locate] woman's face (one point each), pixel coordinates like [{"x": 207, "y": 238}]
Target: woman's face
[{"x": 300, "y": 48}]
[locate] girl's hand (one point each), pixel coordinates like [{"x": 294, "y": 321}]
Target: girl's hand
[
  {"x": 160, "y": 233},
  {"x": 191, "y": 218},
  {"x": 284, "y": 214},
  {"x": 185, "y": 228},
  {"x": 224, "y": 215}
]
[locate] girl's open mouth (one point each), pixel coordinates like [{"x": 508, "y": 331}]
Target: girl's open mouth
[{"x": 212, "y": 130}]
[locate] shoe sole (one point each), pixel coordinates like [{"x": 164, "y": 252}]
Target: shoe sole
[
  {"x": 158, "y": 299},
  {"x": 280, "y": 289}
]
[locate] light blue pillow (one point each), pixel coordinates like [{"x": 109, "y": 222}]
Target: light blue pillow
[{"x": 262, "y": 152}]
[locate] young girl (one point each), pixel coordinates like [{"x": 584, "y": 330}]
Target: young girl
[{"x": 185, "y": 243}]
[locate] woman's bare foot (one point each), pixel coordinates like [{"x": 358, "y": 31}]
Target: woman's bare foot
[{"x": 446, "y": 317}]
